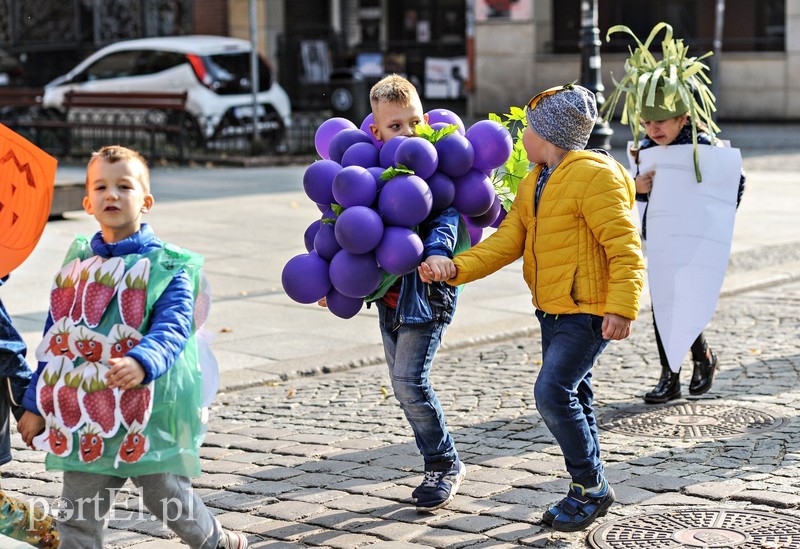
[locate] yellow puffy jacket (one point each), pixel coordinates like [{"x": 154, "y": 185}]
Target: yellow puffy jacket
[{"x": 581, "y": 251}]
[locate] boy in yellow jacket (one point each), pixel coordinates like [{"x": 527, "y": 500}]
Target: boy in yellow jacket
[{"x": 571, "y": 223}]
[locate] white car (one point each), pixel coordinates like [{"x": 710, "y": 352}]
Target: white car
[{"x": 214, "y": 71}]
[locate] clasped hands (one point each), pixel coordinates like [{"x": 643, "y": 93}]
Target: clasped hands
[{"x": 437, "y": 268}]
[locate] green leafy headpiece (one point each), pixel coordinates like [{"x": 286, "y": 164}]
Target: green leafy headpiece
[{"x": 655, "y": 89}]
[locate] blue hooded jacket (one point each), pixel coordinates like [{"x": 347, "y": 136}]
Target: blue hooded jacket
[
  {"x": 170, "y": 320},
  {"x": 420, "y": 302}
]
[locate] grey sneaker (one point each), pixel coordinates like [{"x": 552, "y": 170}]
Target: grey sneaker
[
  {"x": 439, "y": 487},
  {"x": 232, "y": 540}
]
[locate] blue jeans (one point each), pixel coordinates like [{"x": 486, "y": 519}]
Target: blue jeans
[
  {"x": 571, "y": 344},
  {"x": 409, "y": 353}
]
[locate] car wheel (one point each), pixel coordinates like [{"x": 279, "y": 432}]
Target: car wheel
[{"x": 191, "y": 132}]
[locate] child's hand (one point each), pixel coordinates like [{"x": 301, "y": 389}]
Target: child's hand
[
  {"x": 644, "y": 182},
  {"x": 616, "y": 327},
  {"x": 323, "y": 302},
  {"x": 437, "y": 268},
  {"x": 30, "y": 425},
  {"x": 125, "y": 373}
]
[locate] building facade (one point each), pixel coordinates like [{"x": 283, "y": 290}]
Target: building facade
[{"x": 474, "y": 56}]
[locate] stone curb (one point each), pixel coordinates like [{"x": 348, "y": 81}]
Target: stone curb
[{"x": 286, "y": 370}]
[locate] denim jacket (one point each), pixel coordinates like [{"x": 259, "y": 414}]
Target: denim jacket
[{"x": 420, "y": 302}]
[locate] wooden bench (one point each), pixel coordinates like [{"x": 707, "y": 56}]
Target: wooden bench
[
  {"x": 112, "y": 111},
  {"x": 20, "y": 98},
  {"x": 117, "y": 115}
]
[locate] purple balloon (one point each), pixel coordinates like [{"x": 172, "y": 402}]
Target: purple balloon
[
  {"x": 364, "y": 127},
  {"x": 355, "y": 275},
  {"x": 418, "y": 155},
  {"x": 326, "y": 131},
  {"x": 448, "y": 117},
  {"x": 475, "y": 234},
  {"x": 388, "y": 150},
  {"x": 486, "y": 219},
  {"x": 325, "y": 243},
  {"x": 400, "y": 250},
  {"x": 359, "y": 229},
  {"x": 377, "y": 172},
  {"x": 305, "y": 278},
  {"x": 311, "y": 232},
  {"x": 405, "y": 200},
  {"x": 344, "y": 140},
  {"x": 492, "y": 144},
  {"x": 318, "y": 178},
  {"x": 443, "y": 191},
  {"x": 500, "y": 217},
  {"x": 456, "y": 154},
  {"x": 361, "y": 154},
  {"x": 354, "y": 186},
  {"x": 474, "y": 193},
  {"x": 343, "y": 306}
]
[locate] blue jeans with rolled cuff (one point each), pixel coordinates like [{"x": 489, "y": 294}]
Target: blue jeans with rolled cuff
[
  {"x": 409, "y": 350},
  {"x": 571, "y": 344}
]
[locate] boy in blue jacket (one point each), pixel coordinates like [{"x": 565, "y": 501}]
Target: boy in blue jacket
[
  {"x": 414, "y": 316},
  {"x": 156, "y": 452}
]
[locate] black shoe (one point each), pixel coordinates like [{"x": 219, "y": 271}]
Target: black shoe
[
  {"x": 703, "y": 375},
  {"x": 440, "y": 487},
  {"x": 579, "y": 509},
  {"x": 668, "y": 387}
]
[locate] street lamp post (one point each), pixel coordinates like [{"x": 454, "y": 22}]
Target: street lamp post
[{"x": 590, "y": 71}]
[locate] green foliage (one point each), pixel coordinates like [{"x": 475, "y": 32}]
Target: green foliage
[
  {"x": 506, "y": 178},
  {"x": 391, "y": 172},
  {"x": 426, "y": 132},
  {"x": 676, "y": 74}
]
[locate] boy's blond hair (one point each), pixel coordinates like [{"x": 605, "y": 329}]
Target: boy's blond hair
[
  {"x": 393, "y": 89},
  {"x": 116, "y": 153}
]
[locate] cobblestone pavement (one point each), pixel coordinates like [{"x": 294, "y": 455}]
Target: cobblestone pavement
[{"x": 328, "y": 460}]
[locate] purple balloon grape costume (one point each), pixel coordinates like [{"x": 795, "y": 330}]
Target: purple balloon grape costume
[{"x": 373, "y": 195}]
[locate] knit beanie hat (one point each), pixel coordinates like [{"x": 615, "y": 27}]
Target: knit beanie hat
[{"x": 564, "y": 116}]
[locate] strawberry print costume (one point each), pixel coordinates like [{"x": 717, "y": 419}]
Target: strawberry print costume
[{"x": 135, "y": 298}]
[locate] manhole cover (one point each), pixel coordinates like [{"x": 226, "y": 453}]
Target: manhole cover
[
  {"x": 689, "y": 420},
  {"x": 707, "y": 528}
]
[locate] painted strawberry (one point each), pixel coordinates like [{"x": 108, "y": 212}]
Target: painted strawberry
[
  {"x": 132, "y": 301},
  {"x": 97, "y": 297},
  {"x": 89, "y": 346},
  {"x": 46, "y": 403},
  {"x": 67, "y": 399},
  {"x": 99, "y": 403},
  {"x": 121, "y": 347},
  {"x": 77, "y": 306},
  {"x": 91, "y": 445},
  {"x": 135, "y": 404},
  {"x": 58, "y": 440},
  {"x": 59, "y": 345},
  {"x": 133, "y": 447},
  {"x": 62, "y": 297}
]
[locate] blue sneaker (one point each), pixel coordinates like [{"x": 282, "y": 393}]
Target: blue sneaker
[
  {"x": 439, "y": 487},
  {"x": 579, "y": 509}
]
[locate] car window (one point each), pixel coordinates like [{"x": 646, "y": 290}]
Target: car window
[
  {"x": 231, "y": 71},
  {"x": 156, "y": 61},
  {"x": 114, "y": 65}
]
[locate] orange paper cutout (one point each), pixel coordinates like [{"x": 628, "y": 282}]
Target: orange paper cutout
[{"x": 27, "y": 178}]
